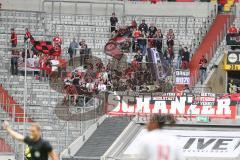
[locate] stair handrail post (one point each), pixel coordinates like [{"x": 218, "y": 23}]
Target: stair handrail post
[
  {"x": 25, "y": 92},
  {"x": 14, "y": 114}
]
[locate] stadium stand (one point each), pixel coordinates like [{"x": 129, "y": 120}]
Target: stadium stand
[
  {"x": 94, "y": 148},
  {"x": 215, "y": 72},
  {"x": 83, "y": 131}
]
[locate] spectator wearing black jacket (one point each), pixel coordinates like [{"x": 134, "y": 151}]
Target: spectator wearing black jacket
[
  {"x": 84, "y": 51},
  {"x": 143, "y": 26},
  {"x": 185, "y": 58},
  {"x": 169, "y": 55},
  {"x": 179, "y": 57},
  {"x": 113, "y": 22},
  {"x": 152, "y": 30},
  {"x": 158, "y": 40},
  {"x": 170, "y": 38},
  {"x": 142, "y": 42},
  {"x": 72, "y": 50}
]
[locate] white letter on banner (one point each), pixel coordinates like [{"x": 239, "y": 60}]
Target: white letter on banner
[
  {"x": 113, "y": 103},
  {"x": 126, "y": 108},
  {"x": 223, "y": 106},
  {"x": 209, "y": 110},
  {"x": 178, "y": 106},
  {"x": 160, "y": 107},
  {"x": 143, "y": 105},
  {"x": 193, "y": 109}
]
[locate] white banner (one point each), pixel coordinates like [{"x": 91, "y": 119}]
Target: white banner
[
  {"x": 200, "y": 144},
  {"x": 182, "y": 77}
]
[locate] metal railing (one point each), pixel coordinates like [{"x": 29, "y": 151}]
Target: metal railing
[
  {"x": 76, "y": 4},
  {"x": 94, "y": 31},
  {"x": 67, "y": 122},
  {"x": 220, "y": 37}
]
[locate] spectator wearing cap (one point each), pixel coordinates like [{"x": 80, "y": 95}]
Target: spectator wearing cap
[
  {"x": 143, "y": 26},
  {"x": 113, "y": 22},
  {"x": 13, "y": 38}
]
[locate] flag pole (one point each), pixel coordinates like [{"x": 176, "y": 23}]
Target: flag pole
[{"x": 25, "y": 93}]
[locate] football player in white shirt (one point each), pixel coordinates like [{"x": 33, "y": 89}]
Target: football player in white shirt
[{"x": 156, "y": 144}]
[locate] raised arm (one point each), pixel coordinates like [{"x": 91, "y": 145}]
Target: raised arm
[
  {"x": 53, "y": 155},
  {"x": 12, "y": 133}
]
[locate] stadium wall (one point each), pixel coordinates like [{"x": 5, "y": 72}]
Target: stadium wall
[
  {"x": 218, "y": 80},
  {"x": 197, "y": 9}
]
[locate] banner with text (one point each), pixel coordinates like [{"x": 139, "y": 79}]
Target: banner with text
[
  {"x": 182, "y": 77},
  {"x": 232, "y": 61},
  {"x": 199, "y": 144},
  {"x": 204, "y": 104}
]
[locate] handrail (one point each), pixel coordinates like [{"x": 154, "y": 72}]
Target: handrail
[
  {"x": 88, "y": 2},
  {"x": 17, "y": 10}
]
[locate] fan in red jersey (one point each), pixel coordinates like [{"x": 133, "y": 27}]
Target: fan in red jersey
[{"x": 57, "y": 40}]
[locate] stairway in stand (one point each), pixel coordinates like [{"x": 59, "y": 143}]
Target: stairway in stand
[
  {"x": 210, "y": 43},
  {"x": 9, "y": 105}
]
